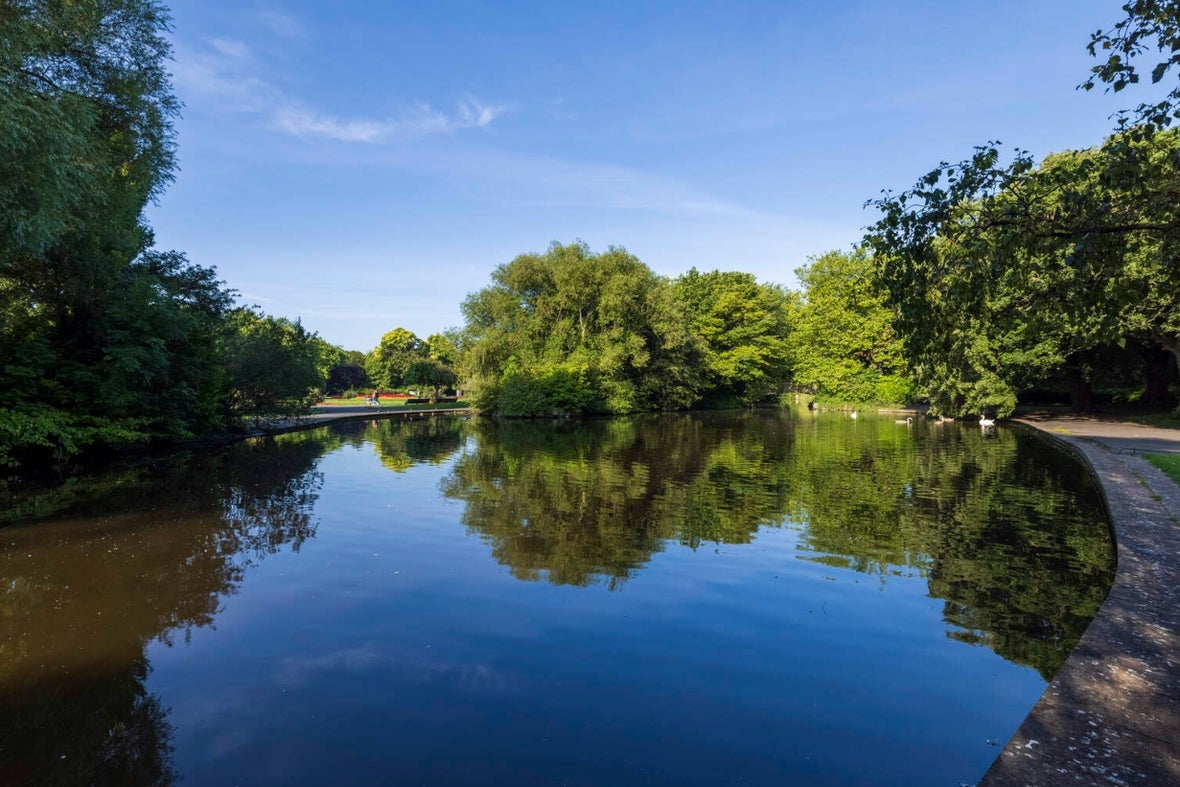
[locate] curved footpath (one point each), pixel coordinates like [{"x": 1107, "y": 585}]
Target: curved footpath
[{"x": 1112, "y": 714}]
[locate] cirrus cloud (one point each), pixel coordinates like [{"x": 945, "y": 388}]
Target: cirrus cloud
[
  {"x": 423, "y": 120},
  {"x": 223, "y": 74}
]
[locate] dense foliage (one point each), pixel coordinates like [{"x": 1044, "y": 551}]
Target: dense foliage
[
  {"x": 744, "y": 331},
  {"x": 571, "y": 330},
  {"x": 1008, "y": 274},
  {"x": 575, "y": 331},
  {"x": 387, "y": 364},
  {"x": 271, "y": 365},
  {"x": 1005, "y": 276},
  {"x": 845, "y": 349},
  {"x": 104, "y": 340}
]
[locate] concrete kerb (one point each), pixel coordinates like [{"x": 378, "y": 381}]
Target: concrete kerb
[{"x": 1111, "y": 716}]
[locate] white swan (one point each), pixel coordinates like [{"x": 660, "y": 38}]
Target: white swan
[
  {"x": 985, "y": 421},
  {"x": 852, "y": 414},
  {"x": 908, "y": 421}
]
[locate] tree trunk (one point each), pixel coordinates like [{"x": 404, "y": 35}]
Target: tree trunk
[
  {"x": 1172, "y": 345},
  {"x": 1080, "y": 395},
  {"x": 1157, "y": 368}
]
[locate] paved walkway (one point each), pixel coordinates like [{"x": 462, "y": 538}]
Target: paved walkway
[
  {"x": 1111, "y": 716},
  {"x": 1119, "y": 436}
]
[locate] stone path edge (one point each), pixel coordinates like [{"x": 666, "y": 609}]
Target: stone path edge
[{"x": 1111, "y": 716}]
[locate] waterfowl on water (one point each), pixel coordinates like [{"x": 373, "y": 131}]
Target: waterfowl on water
[
  {"x": 985, "y": 421},
  {"x": 907, "y": 421}
]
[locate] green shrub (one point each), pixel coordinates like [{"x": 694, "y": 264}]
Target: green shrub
[
  {"x": 894, "y": 389},
  {"x": 557, "y": 390}
]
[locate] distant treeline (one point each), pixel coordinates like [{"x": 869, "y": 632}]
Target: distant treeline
[{"x": 570, "y": 330}]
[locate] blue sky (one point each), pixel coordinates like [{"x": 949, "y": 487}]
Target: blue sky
[{"x": 366, "y": 165}]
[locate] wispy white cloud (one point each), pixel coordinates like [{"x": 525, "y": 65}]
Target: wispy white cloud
[
  {"x": 224, "y": 74},
  {"x": 220, "y": 74},
  {"x": 281, "y": 24},
  {"x": 423, "y": 120},
  {"x": 230, "y": 48}
]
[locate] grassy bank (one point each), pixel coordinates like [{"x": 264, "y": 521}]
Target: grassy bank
[{"x": 1169, "y": 463}]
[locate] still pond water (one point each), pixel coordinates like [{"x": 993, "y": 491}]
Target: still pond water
[{"x": 733, "y": 599}]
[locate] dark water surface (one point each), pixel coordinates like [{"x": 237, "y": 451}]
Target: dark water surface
[{"x": 752, "y": 599}]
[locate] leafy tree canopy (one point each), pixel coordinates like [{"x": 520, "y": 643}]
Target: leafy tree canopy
[
  {"x": 575, "y": 330},
  {"x": 1005, "y": 274},
  {"x": 272, "y": 364},
  {"x": 1005, "y": 271},
  {"x": 1148, "y": 24},
  {"x": 431, "y": 374},
  {"x": 387, "y": 363},
  {"x": 744, "y": 331},
  {"x": 845, "y": 349}
]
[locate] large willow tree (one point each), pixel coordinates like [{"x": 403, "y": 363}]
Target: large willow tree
[{"x": 570, "y": 330}]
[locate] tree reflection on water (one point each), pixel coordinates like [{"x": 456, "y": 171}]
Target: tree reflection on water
[
  {"x": 1021, "y": 558},
  {"x": 113, "y": 563}
]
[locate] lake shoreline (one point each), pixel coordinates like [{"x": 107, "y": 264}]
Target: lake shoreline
[{"x": 1112, "y": 714}]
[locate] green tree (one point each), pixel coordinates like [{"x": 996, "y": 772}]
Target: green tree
[
  {"x": 1004, "y": 272},
  {"x": 272, "y": 365},
  {"x": 386, "y": 365},
  {"x": 1004, "y": 275},
  {"x": 328, "y": 356},
  {"x": 431, "y": 374},
  {"x": 442, "y": 347},
  {"x": 845, "y": 349},
  {"x": 103, "y": 341},
  {"x": 85, "y": 106},
  {"x": 571, "y": 329},
  {"x": 744, "y": 328}
]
